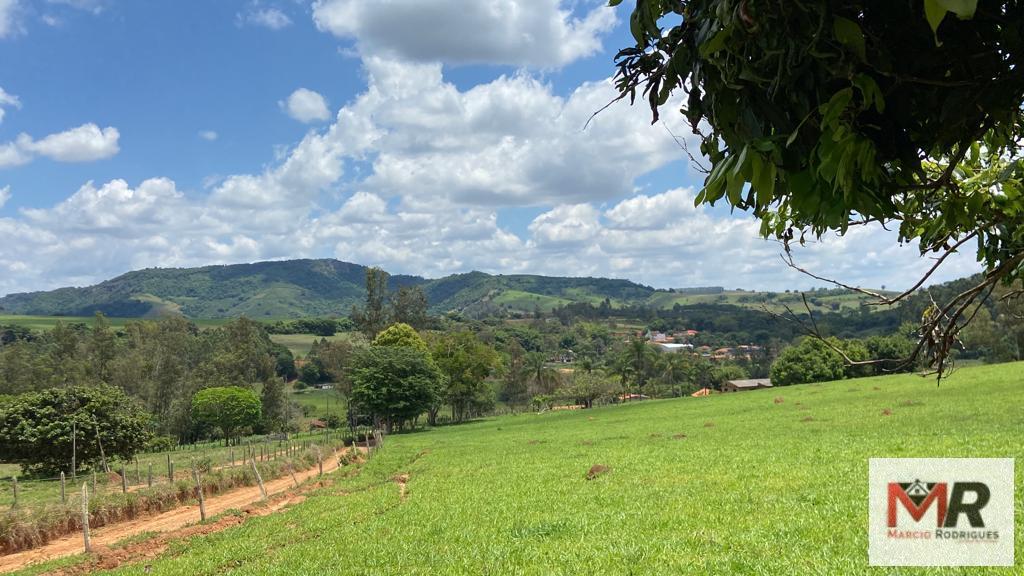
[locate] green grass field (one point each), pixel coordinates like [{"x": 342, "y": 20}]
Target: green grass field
[
  {"x": 300, "y": 344},
  {"x": 732, "y": 484},
  {"x": 320, "y": 402},
  {"x": 819, "y": 302}
]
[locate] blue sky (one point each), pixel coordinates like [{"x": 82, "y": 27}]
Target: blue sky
[{"x": 425, "y": 136}]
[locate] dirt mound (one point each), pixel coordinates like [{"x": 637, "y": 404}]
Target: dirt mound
[{"x": 597, "y": 470}]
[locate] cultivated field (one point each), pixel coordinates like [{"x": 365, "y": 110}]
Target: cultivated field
[{"x": 766, "y": 482}]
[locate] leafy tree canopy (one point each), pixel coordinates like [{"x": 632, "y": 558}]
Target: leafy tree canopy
[
  {"x": 398, "y": 335},
  {"x": 229, "y": 408},
  {"x": 818, "y": 116},
  {"x": 809, "y": 361},
  {"x": 36, "y": 428},
  {"x": 394, "y": 384}
]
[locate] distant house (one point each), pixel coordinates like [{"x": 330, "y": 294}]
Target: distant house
[
  {"x": 743, "y": 385},
  {"x": 563, "y": 357},
  {"x": 672, "y": 347},
  {"x": 722, "y": 354}
]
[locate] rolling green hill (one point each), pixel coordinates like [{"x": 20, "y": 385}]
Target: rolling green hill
[{"x": 302, "y": 288}]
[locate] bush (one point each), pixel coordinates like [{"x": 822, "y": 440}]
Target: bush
[
  {"x": 36, "y": 428},
  {"x": 161, "y": 444},
  {"x": 811, "y": 360}
]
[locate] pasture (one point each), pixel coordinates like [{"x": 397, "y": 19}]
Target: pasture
[{"x": 763, "y": 482}]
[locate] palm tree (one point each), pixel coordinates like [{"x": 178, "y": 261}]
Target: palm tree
[
  {"x": 673, "y": 369},
  {"x": 543, "y": 377},
  {"x": 640, "y": 360}
]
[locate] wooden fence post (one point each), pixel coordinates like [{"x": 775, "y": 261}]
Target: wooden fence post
[
  {"x": 291, "y": 470},
  {"x": 124, "y": 480},
  {"x": 170, "y": 470},
  {"x": 149, "y": 476},
  {"x": 259, "y": 479},
  {"x": 199, "y": 492},
  {"x": 138, "y": 476},
  {"x": 14, "y": 479},
  {"x": 93, "y": 481},
  {"x": 85, "y": 517},
  {"x": 63, "y": 493}
]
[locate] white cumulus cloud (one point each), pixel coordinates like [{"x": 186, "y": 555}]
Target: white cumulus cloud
[
  {"x": 536, "y": 33},
  {"x": 208, "y": 135},
  {"x": 7, "y": 100},
  {"x": 85, "y": 143},
  {"x": 306, "y": 106},
  {"x": 10, "y": 23},
  {"x": 5, "y": 195}
]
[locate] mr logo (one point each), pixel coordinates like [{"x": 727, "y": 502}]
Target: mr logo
[
  {"x": 955, "y": 512},
  {"x": 917, "y": 498}
]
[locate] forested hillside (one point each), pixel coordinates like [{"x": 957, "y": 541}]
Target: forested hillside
[{"x": 305, "y": 288}]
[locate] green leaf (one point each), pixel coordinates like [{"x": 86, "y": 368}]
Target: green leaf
[
  {"x": 636, "y": 28},
  {"x": 964, "y": 9},
  {"x": 716, "y": 43},
  {"x": 849, "y": 34},
  {"x": 614, "y": 3},
  {"x": 935, "y": 13}
]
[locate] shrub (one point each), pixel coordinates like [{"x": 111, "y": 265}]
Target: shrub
[{"x": 36, "y": 428}]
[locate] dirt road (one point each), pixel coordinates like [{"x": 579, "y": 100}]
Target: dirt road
[{"x": 169, "y": 521}]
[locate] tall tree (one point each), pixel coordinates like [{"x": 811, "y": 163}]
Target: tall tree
[
  {"x": 232, "y": 409},
  {"x": 394, "y": 384},
  {"x": 409, "y": 306},
  {"x": 274, "y": 404},
  {"x": 101, "y": 348},
  {"x": 515, "y": 384},
  {"x": 543, "y": 378},
  {"x": 466, "y": 363},
  {"x": 375, "y": 315}
]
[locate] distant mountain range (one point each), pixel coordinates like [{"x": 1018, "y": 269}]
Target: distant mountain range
[
  {"x": 298, "y": 288},
  {"x": 303, "y": 288}
]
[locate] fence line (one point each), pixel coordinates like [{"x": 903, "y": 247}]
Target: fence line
[{"x": 31, "y": 492}]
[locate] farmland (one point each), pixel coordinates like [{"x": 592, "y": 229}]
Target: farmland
[{"x": 765, "y": 482}]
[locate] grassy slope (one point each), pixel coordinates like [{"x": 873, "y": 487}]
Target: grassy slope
[
  {"x": 319, "y": 401},
  {"x": 819, "y": 302},
  {"x": 755, "y": 487}
]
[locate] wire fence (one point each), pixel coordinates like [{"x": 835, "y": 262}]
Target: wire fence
[{"x": 152, "y": 469}]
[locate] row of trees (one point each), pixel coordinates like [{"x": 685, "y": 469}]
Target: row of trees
[{"x": 162, "y": 364}]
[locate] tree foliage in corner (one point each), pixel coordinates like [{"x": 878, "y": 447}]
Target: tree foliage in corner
[
  {"x": 819, "y": 116},
  {"x": 36, "y": 428}
]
